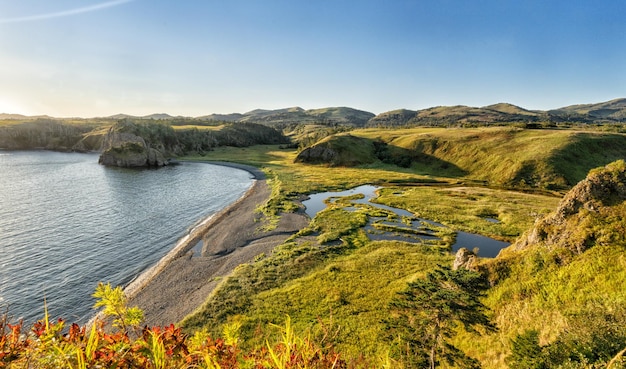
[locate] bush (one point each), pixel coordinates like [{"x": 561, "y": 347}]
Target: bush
[{"x": 53, "y": 345}]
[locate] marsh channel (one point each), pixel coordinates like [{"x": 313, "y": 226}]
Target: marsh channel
[{"x": 400, "y": 224}]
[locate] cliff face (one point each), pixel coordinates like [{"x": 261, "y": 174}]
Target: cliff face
[
  {"x": 593, "y": 212},
  {"x": 126, "y": 149}
]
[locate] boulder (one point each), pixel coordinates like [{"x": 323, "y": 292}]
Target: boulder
[{"x": 465, "y": 259}]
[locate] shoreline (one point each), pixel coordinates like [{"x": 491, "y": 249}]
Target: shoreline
[
  {"x": 179, "y": 284},
  {"x": 187, "y": 242}
]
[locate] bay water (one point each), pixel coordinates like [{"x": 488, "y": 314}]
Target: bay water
[{"x": 67, "y": 223}]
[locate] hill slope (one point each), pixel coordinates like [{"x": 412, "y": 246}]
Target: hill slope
[
  {"x": 564, "y": 280},
  {"x": 548, "y": 159},
  {"x": 290, "y": 116},
  {"x": 613, "y": 110}
]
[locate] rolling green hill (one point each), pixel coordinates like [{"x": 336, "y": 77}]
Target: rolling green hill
[
  {"x": 614, "y": 110},
  {"x": 510, "y": 157},
  {"x": 290, "y": 116}
]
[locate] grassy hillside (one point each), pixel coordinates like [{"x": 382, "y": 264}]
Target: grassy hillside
[
  {"x": 604, "y": 111},
  {"x": 499, "y": 156},
  {"x": 578, "y": 291}
]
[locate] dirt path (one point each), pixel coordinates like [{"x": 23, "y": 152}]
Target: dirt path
[{"x": 181, "y": 282}]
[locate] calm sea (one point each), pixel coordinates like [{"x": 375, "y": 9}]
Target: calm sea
[{"x": 67, "y": 223}]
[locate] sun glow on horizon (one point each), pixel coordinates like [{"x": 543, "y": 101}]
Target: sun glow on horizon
[{"x": 8, "y": 106}]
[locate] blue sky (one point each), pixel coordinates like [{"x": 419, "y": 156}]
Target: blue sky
[{"x": 96, "y": 57}]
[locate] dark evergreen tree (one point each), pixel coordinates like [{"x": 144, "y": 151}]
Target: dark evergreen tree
[
  {"x": 526, "y": 353},
  {"x": 425, "y": 316}
]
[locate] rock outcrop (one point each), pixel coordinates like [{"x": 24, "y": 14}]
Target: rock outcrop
[
  {"x": 126, "y": 149},
  {"x": 340, "y": 150},
  {"x": 465, "y": 259},
  {"x": 592, "y": 212},
  {"x": 317, "y": 154}
]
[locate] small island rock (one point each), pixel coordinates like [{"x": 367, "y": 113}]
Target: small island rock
[{"x": 126, "y": 149}]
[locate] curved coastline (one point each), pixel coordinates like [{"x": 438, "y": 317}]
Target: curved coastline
[
  {"x": 179, "y": 284},
  {"x": 187, "y": 242}
]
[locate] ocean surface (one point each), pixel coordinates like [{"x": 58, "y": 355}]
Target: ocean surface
[{"x": 67, "y": 223}]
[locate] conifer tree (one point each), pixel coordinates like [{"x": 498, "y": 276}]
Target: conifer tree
[{"x": 425, "y": 316}]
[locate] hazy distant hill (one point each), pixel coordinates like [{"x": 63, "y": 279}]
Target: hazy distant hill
[
  {"x": 12, "y": 116},
  {"x": 222, "y": 117},
  {"x": 297, "y": 115},
  {"x": 21, "y": 117},
  {"x": 155, "y": 116},
  {"x": 511, "y": 109},
  {"x": 392, "y": 118},
  {"x": 606, "y": 112},
  {"x": 459, "y": 114},
  {"x": 342, "y": 115},
  {"x": 614, "y": 110}
]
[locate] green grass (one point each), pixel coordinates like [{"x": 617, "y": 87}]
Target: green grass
[
  {"x": 511, "y": 157},
  {"x": 259, "y": 155},
  {"x": 334, "y": 294},
  {"x": 541, "y": 294},
  {"x": 466, "y": 208}
]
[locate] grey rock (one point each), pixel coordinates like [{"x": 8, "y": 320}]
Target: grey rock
[{"x": 125, "y": 149}]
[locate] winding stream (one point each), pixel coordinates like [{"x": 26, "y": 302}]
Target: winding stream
[{"x": 419, "y": 230}]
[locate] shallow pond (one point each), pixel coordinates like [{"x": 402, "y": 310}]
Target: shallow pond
[{"x": 419, "y": 230}]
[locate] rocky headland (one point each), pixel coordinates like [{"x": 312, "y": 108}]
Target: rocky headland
[{"x": 123, "y": 148}]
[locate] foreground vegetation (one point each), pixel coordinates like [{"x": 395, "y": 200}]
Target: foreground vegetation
[{"x": 127, "y": 345}]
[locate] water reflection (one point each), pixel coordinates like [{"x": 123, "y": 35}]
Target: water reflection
[{"x": 406, "y": 227}]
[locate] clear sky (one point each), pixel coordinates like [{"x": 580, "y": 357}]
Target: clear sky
[{"x": 100, "y": 57}]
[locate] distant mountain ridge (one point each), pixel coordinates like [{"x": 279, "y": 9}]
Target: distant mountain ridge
[
  {"x": 613, "y": 111},
  {"x": 297, "y": 115}
]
